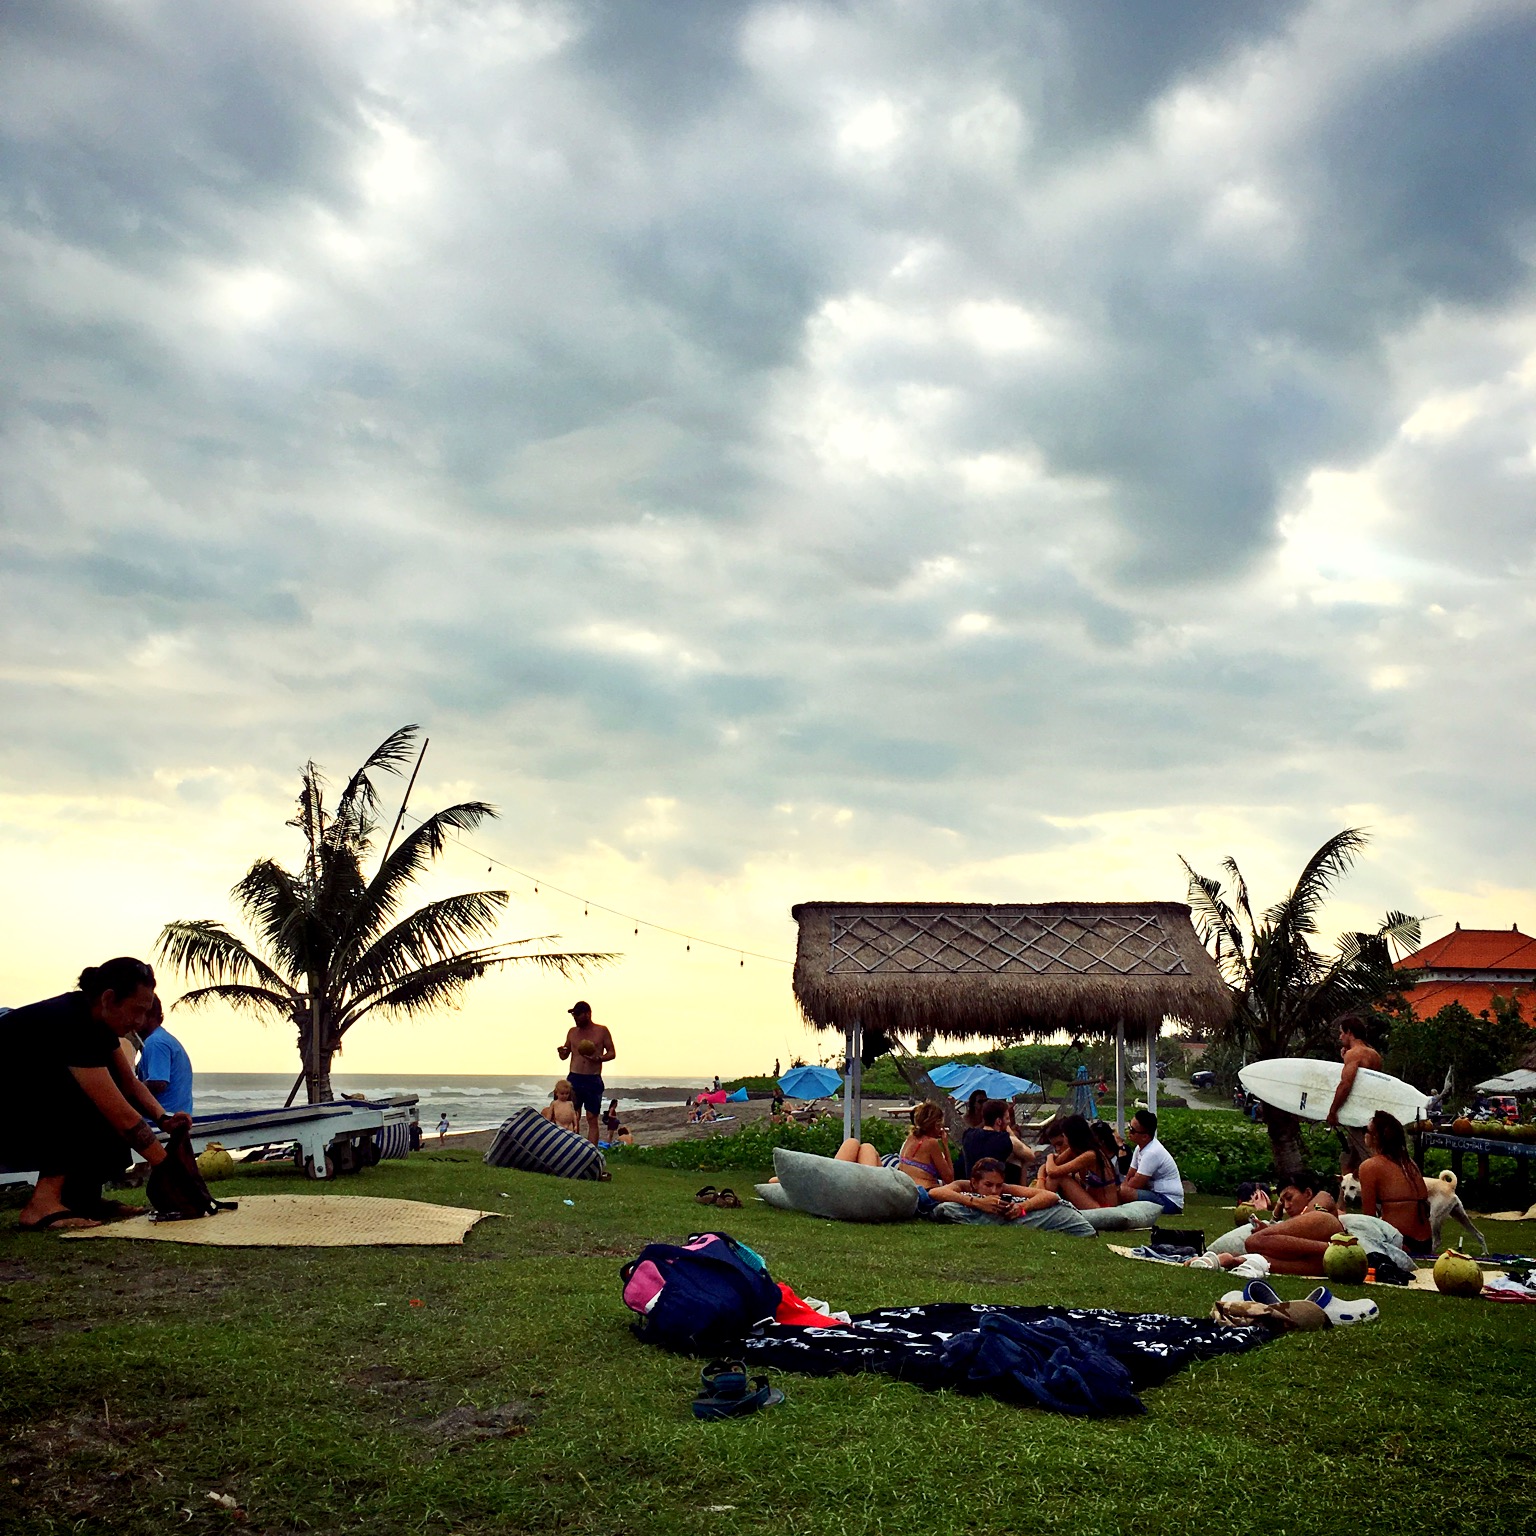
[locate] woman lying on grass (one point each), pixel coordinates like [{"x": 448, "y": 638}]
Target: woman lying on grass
[{"x": 986, "y": 1196}]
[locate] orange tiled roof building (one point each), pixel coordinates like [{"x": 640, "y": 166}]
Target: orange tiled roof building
[{"x": 1472, "y": 966}]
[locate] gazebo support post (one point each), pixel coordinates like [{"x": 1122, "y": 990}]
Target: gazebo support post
[
  {"x": 1152, "y": 1033},
  {"x": 1120, "y": 1076},
  {"x": 853, "y": 1079}
]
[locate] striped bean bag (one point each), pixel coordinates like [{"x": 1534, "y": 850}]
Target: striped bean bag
[{"x": 528, "y": 1141}]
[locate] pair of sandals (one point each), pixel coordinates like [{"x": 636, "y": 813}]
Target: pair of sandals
[
  {"x": 727, "y": 1392},
  {"x": 727, "y": 1199},
  {"x": 1340, "y": 1313}
]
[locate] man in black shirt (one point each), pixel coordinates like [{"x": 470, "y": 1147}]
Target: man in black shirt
[
  {"x": 993, "y": 1139},
  {"x": 77, "y": 1107}
]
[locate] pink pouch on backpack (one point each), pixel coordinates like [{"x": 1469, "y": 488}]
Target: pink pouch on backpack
[{"x": 643, "y": 1287}]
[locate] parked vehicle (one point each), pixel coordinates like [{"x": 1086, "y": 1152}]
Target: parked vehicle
[
  {"x": 1202, "y": 1079},
  {"x": 1504, "y": 1106}
]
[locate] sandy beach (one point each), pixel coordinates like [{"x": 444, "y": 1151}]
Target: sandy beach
[{"x": 669, "y": 1122}]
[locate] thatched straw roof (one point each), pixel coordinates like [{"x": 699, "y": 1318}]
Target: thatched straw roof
[{"x": 952, "y": 970}]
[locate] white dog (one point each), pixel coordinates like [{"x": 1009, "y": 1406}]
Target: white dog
[{"x": 1444, "y": 1203}]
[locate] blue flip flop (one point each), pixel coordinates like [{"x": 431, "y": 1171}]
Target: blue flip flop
[{"x": 739, "y": 1405}]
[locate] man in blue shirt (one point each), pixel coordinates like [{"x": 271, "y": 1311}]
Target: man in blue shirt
[{"x": 164, "y": 1066}]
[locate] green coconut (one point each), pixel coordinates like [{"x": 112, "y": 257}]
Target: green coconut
[
  {"x": 1244, "y": 1213},
  {"x": 1344, "y": 1260},
  {"x": 1457, "y": 1274},
  {"x": 213, "y": 1162}
]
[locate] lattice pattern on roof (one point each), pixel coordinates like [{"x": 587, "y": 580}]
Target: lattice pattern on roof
[{"x": 999, "y": 941}]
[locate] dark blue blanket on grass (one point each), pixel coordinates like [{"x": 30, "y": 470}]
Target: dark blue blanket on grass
[{"x": 1067, "y": 1360}]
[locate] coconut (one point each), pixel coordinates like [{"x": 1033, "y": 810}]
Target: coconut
[
  {"x": 1344, "y": 1260},
  {"x": 1457, "y": 1274},
  {"x": 213, "y": 1162},
  {"x": 1244, "y": 1213},
  {"x": 586, "y": 1048}
]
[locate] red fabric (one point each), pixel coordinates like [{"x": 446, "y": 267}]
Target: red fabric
[{"x": 797, "y": 1314}]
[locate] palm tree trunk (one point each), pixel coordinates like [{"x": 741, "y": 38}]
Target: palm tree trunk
[
  {"x": 317, "y": 1078},
  {"x": 1285, "y": 1148}
]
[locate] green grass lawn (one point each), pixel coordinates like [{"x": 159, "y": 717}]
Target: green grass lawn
[{"x": 135, "y": 1378}]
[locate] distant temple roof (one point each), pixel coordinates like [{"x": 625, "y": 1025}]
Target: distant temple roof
[{"x": 1472, "y": 966}]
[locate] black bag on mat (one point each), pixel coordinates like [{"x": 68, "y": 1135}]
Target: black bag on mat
[
  {"x": 1179, "y": 1237},
  {"x": 176, "y": 1187}
]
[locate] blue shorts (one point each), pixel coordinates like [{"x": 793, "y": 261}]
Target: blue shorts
[{"x": 587, "y": 1091}]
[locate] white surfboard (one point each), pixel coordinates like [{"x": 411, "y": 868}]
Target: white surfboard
[{"x": 1306, "y": 1088}]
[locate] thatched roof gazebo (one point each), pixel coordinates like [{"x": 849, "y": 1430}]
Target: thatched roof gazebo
[{"x": 955, "y": 970}]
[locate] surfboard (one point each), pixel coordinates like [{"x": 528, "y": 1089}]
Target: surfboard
[{"x": 1306, "y": 1088}]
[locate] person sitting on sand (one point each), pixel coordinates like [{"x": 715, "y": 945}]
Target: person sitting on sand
[
  {"x": 924, "y": 1155},
  {"x": 1296, "y": 1244},
  {"x": 1392, "y": 1187},
  {"x": 562, "y": 1108},
  {"x": 1077, "y": 1168},
  {"x": 622, "y": 1137},
  {"x": 988, "y": 1197},
  {"x": 702, "y": 1114}
]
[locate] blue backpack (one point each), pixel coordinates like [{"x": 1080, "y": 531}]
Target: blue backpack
[{"x": 700, "y": 1297}]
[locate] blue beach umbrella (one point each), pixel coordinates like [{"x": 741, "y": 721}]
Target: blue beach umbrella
[
  {"x": 810, "y": 1082},
  {"x": 996, "y": 1085},
  {"x": 949, "y": 1074}
]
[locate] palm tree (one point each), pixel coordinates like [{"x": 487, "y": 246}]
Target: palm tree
[
  {"x": 330, "y": 949},
  {"x": 1287, "y": 992}
]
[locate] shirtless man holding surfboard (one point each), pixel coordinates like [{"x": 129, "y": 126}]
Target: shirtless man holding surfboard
[{"x": 1356, "y": 1053}]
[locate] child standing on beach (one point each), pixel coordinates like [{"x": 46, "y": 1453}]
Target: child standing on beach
[{"x": 562, "y": 1108}]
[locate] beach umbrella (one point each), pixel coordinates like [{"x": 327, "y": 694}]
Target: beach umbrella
[
  {"x": 949, "y": 1074},
  {"x": 996, "y": 1085},
  {"x": 810, "y": 1082}
]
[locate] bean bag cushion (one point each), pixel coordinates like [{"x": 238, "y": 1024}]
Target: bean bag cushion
[
  {"x": 528, "y": 1141},
  {"x": 1062, "y": 1219},
  {"x": 774, "y": 1195},
  {"x": 823, "y": 1186},
  {"x": 1132, "y": 1215},
  {"x": 1231, "y": 1242}
]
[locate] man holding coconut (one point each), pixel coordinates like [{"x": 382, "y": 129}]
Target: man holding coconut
[{"x": 587, "y": 1046}]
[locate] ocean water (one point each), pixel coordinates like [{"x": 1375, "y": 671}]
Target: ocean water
[{"x": 471, "y": 1103}]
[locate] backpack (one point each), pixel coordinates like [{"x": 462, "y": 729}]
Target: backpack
[
  {"x": 700, "y": 1297},
  {"x": 176, "y": 1188}
]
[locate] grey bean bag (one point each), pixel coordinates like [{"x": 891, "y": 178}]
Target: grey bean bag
[
  {"x": 1134, "y": 1215},
  {"x": 823, "y": 1186},
  {"x": 1062, "y": 1219}
]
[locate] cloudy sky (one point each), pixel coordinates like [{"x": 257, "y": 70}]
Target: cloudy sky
[{"x": 907, "y": 449}]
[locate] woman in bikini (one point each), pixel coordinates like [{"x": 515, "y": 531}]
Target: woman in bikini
[
  {"x": 1077, "y": 1168},
  {"x": 924, "y": 1155},
  {"x": 1391, "y": 1185}
]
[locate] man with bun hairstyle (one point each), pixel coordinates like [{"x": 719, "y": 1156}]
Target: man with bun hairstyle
[{"x": 76, "y": 1107}]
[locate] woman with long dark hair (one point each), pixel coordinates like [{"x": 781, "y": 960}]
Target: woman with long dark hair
[
  {"x": 1078, "y": 1169},
  {"x": 76, "y": 1108},
  {"x": 1391, "y": 1185}
]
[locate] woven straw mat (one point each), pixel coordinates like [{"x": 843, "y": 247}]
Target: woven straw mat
[{"x": 307, "y": 1221}]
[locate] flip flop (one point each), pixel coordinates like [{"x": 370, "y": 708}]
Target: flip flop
[
  {"x": 53, "y": 1218},
  {"x": 729, "y": 1199},
  {"x": 723, "y": 1379},
  {"x": 707, "y": 1195},
  {"x": 738, "y": 1407}
]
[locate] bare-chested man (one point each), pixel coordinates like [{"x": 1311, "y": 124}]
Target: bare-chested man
[
  {"x": 587, "y": 1046},
  {"x": 1356, "y": 1053}
]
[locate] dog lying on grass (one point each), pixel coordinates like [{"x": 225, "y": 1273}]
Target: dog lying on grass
[{"x": 1444, "y": 1204}]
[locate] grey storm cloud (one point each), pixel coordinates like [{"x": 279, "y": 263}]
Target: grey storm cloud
[{"x": 893, "y": 405}]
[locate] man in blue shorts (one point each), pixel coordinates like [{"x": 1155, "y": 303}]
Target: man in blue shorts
[
  {"x": 1154, "y": 1175},
  {"x": 587, "y": 1046}
]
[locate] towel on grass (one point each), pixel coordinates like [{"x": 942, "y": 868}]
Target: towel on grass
[{"x": 1086, "y": 1362}]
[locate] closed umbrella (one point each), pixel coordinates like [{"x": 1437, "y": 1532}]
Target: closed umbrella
[{"x": 810, "y": 1082}]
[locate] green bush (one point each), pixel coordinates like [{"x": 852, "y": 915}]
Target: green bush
[
  {"x": 1217, "y": 1150},
  {"x": 751, "y": 1148}
]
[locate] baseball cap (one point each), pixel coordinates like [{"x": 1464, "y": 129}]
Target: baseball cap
[{"x": 580, "y": 1008}]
